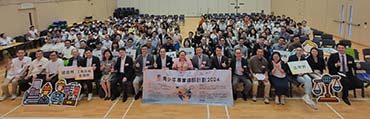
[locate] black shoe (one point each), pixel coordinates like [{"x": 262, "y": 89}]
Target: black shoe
[
  {"x": 235, "y": 96},
  {"x": 137, "y": 96},
  {"x": 244, "y": 97},
  {"x": 113, "y": 98},
  {"x": 106, "y": 98},
  {"x": 346, "y": 100},
  {"x": 124, "y": 98}
]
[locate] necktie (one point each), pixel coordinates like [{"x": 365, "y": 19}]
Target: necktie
[
  {"x": 219, "y": 61},
  {"x": 343, "y": 64}
]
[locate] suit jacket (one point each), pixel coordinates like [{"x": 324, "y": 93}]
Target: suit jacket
[
  {"x": 129, "y": 70},
  {"x": 79, "y": 60},
  {"x": 205, "y": 59},
  {"x": 227, "y": 51},
  {"x": 244, "y": 65},
  {"x": 149, "y": 63},
  {"x": 334, "y": 58},
  {"x": 218, "y": 65},
  {"x": 96, "y": 61},
  {"x": 169, "y": 62}
]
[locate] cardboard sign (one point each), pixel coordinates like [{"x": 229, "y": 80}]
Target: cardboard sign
[
  {"x": 57, "y": 96},
  {"x": 131, "y": 53},
  {"x": 85, "y": 73},
  {"x": 67, "y": 72},
  {"x": 78, "y": 73},
  {"x": 299, "y": 67},
  {"x": 32, "y": 95},
  {"x": 189, "y": 52},
  {"x": 325, "y": 87},
  {"x": 172, "y": 54},
  {"x": 284, "y": 55},
  {"x": 72, "y": 94}
]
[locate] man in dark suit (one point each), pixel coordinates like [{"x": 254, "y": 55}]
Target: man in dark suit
[
  {"x": 124, "y": 75},
  {"x": 219, "y": 61},
  {"x": 76, "y": 59},
  {"x": 240, "y": 70},
  {"x": 200, "y": 61},
  {"x": 142, "y": 62},
  {"x": 342, "y": 63},
  {"x": 91, "y": 61},
  {"x": 163, "y": 61}
]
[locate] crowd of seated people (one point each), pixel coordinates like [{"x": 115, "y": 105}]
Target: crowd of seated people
[{"x": 242, "y": 44}]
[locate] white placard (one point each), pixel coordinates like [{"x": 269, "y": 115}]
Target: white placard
[
  {"x": 131, "y": 53},
  {"x": 284, "y": 55},
  {"x": 299, "y": 67},
  {"x": 189, "y": 52},
  {"x": 260, "y": 76},
  {"x": 172, "y": 54}
]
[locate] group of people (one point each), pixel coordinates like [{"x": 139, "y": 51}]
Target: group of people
[{"x": 243, "y": 44}]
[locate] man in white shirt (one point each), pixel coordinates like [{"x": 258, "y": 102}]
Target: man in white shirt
[
  {"x": 32, "y": 33},
  {"x": 16, "y": 69},
  {"x": 38, "y": 66},
  {"x": 36, "y": 71},
  {"x": 98, "y": 51},
  {"x": 67, "y": 50},
  {"x": 107, "y": 43},
  {"x": 4, "y": 41},
  {"x": 306, "y": 29},
  {"x": 52, "y": 68},
  {"x": 49, "y": 44}
]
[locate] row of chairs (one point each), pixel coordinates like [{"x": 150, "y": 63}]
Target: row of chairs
[
  {"x": 226, "y": 15},
  {"x": 125, "y": 12},
  {"x": 179, "y": 18}
]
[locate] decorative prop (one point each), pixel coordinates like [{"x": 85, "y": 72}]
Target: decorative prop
[{"x": 325, "y": 87}]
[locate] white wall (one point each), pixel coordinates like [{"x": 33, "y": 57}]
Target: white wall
[{"x": 194, "y": 7}]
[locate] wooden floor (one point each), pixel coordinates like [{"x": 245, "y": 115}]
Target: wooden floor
[{"x": 98, "y": 108}]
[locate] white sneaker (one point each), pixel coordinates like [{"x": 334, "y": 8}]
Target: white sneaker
[
  {"x": 282, "y": 100},
  {"x": 81, "y": 96},
  {"x": 254, "y": 99},
  {"x": 2, "y": 98},
  {"x": 267, "y": 101},
  {"x": 277, "y": 100},
  {"x": 13, "y": 97},
  {"x": 89, "y": 96},
  {"x": 309, "y": 102}
]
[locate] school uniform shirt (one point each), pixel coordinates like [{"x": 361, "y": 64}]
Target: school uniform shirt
[
  {"x": 38, "y": 65},
  {"x": 5, "y": 41},
  {"x": 53, "y": 67},
  {"x": 67, "y": 52},
  {"x": 17, "y": 67},
  {"x": 47, "y": 47},
  {"x": 33, "y": 34}
]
